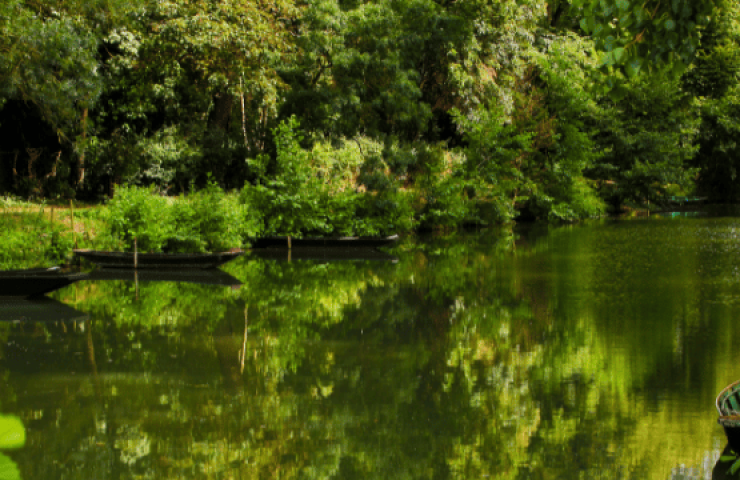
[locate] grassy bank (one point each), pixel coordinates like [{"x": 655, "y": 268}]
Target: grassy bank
[
  {"x": 209, "y": 219},
  {"x": 37, "y": 235}
]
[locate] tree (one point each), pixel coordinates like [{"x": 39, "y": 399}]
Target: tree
[
  {"x": 715, "y": 79},
  {"x": 201, "y": 74},
  {"x": 49, "y": 63},
  {"x": 646, "y": 35}
]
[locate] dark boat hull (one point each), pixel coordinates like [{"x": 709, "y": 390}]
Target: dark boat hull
[
  {"x": 728, "y": 407},
  {"x": 325, "y": 242},
  {"x": 35, "y": 282},
  {"x": 157, "y": 260}
]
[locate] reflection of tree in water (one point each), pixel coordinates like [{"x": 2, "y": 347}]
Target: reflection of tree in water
[{"x": 449, "y": 364}]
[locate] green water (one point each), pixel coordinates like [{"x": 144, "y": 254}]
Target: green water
[{"x": 586, "y": 352}]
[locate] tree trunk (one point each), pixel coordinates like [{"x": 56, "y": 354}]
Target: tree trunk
[
  {"x": 223, "y": 103},
  {"x": 81, "y": 178}
]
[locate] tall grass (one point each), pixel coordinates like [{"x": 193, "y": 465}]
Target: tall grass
[{"x": 30, "y": 240}]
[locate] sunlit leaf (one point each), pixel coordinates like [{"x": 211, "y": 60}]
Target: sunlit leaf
[
  {"x": 12, "y": 433},
  {"x": 8, "y": 469}
]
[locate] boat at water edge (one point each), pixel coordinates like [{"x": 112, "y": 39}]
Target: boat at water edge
[{"x": 728, "y": 407}]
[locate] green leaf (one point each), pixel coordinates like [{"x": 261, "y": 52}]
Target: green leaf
[
  {"x": 633, "y": 67},
  {"x": 618, "y": 54},
  {"x": 587, "y": 24},
  {"x": 609, "y": 43},
  {"x": 735, "y": 466},
  {"x": 8, "y": 469},
  {"x": 670, "y": 25},
  {"x": 625, "y": 21},
  {"x": 12, "y": 433}
]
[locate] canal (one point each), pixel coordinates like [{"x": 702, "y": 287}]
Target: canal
[{"x": 592, "y": 351}]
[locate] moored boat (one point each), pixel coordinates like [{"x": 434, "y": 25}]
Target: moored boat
[
  {"x": 324, "y": 242},
  {"x": 157, "y": 260},
  {"x": 728, "y": 407},
  {"x": 35, "y": 281}
]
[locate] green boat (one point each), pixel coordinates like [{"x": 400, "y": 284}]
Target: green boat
[{"x": 728, "y": 407}]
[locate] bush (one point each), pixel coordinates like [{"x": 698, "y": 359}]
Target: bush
[
  {"x": 209, "y": 220},
  {"x": 137, "y": 214}
]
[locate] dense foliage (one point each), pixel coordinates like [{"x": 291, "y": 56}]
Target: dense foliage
[
  {"x": 208, "y": 220},
  {"x": 345, "y": 117}
]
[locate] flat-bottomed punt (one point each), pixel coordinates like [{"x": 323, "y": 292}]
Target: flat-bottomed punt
[
  {"x": 35, "y": 281},
  {"x": 157, "y": 260},
  {"x": 728, "y": 407}
]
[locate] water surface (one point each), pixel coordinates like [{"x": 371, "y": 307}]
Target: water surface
[{"x": 583, "y": 352}]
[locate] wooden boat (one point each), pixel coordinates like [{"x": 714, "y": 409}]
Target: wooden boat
[
  {"x": 728, "y": 407},
  {"x": 210, "y": 276},
  {"x": 35, "y": 281},
  {"x": 325, "y": 242},
  {"x": 157, "y": 260}
]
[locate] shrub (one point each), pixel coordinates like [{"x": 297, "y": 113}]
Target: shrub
[
  {"x": 209, "y": 220},
  {"x": 289, "y": 202},
  {"x": 136, "y": 213}
]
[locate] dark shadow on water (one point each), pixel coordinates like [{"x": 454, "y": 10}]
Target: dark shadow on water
[
  {"x": 41, "y": 309},
  {"x": 211, "y": 276},
  {"x": 324, "y": 255}
]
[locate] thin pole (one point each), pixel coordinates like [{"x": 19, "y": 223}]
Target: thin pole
[
  {"x": 72, "y": 220},
  {"x": 136, "y": 255}
]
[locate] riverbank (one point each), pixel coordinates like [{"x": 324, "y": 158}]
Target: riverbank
[{"x": 44, "y": 234}]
